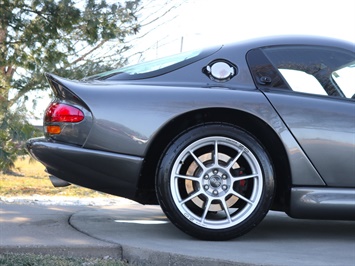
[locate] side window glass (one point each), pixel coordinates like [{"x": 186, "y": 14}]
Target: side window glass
[
  {"x": 265, "y": 75},
  {"x": 302, "y": 82},
  {"x": 345, "y": 80},
  {"x": 314, "y": 69}
]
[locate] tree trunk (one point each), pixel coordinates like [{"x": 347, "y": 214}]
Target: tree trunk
[{"x": 6, "y": 72}]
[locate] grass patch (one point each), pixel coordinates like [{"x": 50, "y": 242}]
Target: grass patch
[
  {"x": 8, "y": 259},
  {"x": 29, "y": 178}
]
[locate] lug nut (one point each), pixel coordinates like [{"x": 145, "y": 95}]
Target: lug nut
[
  {"x": 215, "y": 192},
  {"x": 206, "y": 187},
  {"x": 215, "y": 171},
  {"x": 206, "y": 176},
  {"x": 224, "y": 176},
  {"x": 224, "y": 187}
]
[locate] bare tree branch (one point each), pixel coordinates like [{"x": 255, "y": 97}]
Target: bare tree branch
[{"x": 89, "y": 52}]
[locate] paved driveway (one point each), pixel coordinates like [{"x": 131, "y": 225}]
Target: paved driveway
[{"x": 143, "y": 236}]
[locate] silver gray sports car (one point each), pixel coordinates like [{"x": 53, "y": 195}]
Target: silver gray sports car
[{"x": 216, "y": 136}]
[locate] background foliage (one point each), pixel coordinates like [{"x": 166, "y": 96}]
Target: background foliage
[{"x": 67, "y": 37}]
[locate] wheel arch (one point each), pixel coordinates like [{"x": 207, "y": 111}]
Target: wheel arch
[{"x": 254, "y": 125}]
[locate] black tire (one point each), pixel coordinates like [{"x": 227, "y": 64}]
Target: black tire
[{"x": 237, "y": 187}]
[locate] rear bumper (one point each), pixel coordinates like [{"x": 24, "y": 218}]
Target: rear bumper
[{"x": 111, "y": 173}]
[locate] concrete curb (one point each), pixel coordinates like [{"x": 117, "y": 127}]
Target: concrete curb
[
  {"x": 138, "y": 256},
  {"x": 112, "y": 251},
  {"x": 142, "y": 256}
]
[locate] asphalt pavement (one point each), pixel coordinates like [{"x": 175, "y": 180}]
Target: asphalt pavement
[{"x": 142, "y": 235}]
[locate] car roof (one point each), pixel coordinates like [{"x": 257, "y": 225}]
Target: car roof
[{"x": 294, "y": 40}]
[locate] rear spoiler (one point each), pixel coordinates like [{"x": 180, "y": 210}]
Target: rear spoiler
[{"x": 64, "y": 88}]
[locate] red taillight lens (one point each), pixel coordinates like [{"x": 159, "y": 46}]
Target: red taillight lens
[{"x": 59, "y": 112}]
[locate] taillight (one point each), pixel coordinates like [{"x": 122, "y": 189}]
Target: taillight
[
  {"x": 59, "y": 112},
  {"x": 53, "y": 130}
]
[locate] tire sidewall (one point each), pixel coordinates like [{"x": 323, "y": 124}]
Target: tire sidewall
[{"x": 168, "y": 159}]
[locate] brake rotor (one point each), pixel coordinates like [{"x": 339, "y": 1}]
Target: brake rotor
[{"x": 195, "y": 170}]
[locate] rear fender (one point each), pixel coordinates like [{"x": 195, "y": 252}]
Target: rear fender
[{"x": 73, "y": 133}]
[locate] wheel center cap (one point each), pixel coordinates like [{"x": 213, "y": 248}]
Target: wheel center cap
[{"x": 215, "y": 181}]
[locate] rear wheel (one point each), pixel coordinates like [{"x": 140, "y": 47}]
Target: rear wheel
[{"x": 215, "y": 182}]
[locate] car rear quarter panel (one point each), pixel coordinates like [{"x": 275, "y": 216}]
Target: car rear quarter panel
[{"x": 126, "y": 120}]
